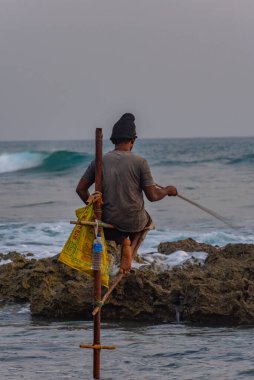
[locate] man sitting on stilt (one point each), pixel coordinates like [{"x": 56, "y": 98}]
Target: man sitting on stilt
[{"x": 125, "y": 177}]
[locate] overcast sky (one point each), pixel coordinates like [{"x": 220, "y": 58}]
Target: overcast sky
[{"x": 185, "y": 68}]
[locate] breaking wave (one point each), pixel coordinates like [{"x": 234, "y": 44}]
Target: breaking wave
[
  {"x": 12, "y": 162},
  {"x": 57, "y": 161}
]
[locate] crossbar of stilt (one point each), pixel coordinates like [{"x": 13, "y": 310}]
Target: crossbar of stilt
[
  {"x": 102, "y": 224},
  {"x": 97, "y": 347},
  {"x": 92, "y": 224}
]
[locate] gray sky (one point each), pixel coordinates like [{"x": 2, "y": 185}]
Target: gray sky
[{"x": 183, "y": 67}]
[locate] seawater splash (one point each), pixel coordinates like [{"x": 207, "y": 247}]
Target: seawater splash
[{"x": 61, "y": 160}]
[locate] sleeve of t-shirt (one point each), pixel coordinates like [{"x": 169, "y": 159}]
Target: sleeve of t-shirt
[
  {"x": 90, "y": 173},
  {"x": 146, "y": 178}
]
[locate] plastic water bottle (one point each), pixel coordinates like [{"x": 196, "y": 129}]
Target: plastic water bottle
[{"x": 97, "y": 253}]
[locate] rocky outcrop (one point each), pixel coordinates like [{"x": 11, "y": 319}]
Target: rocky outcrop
[
  {"x": 187, "y": 245},
  {"x": 219, "y": 292}
]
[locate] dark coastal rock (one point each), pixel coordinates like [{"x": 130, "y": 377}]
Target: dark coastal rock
[
  {"x": 187, "y": 245},
  {"x": 219, "y": 292}
]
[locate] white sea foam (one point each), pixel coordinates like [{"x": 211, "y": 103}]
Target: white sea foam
[
  {"x": 47, "y": 239},
  {"x": 216, "y": 237},
  {"x": 162, "y": 262},
  {"x": 24, "y": 310},
  {"x": 41, "y": 239},
  {"x": 11, "y": 162},
  {"x": 3, "y": 262}
]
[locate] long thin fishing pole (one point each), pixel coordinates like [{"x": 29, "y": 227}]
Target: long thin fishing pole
[{"x": 207, "y": 210}]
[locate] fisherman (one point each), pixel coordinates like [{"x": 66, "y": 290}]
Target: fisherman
[{"x": 125, "y": 177}]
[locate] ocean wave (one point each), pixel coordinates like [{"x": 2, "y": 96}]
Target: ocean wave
[
  {"x": 57, "y": 161},
  {"x": 62, "y": 160},
  {"x": 245, "y": 159},
  {"x": 190, "y": 161}
]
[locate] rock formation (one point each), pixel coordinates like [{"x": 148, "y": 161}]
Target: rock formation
[{"x": 219, "y": 292}]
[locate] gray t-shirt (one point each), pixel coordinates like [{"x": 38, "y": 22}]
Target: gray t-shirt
[{"x": 124, "y": 177}]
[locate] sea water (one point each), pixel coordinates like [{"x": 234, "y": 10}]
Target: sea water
[
  {"x": 47, "y": 349},
  {"x": 37, "y": 201}
]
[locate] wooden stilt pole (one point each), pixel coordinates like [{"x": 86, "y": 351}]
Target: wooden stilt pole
[
  {"x": 108, "y": 293},
  {"x": 97, "y": 273},
  {"x": 96, "y": 346}
]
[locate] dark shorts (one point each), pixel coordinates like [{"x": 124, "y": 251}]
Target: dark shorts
[
  {"x": 116, "y": 235},
  {"x": 119, "y": 236}
]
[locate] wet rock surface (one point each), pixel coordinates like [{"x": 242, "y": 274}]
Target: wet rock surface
[{"x": 220, "y": 292}]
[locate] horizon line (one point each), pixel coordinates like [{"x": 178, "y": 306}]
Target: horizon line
[{"x": 139, "y": 138}]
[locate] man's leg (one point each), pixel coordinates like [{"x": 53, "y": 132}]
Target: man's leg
[
  {"x": 136, "y": 240},
  {"x": 129, "y": 250},
  {"x": 129, "y": 246}
]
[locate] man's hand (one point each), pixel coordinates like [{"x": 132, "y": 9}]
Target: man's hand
[
  {"x": 172, "y": 191},
  {"x": 95, "y": 197},
  {"x": 156, "y": 192}
]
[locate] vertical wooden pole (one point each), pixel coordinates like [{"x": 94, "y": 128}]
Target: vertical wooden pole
[{"x": 97, "y": 273}]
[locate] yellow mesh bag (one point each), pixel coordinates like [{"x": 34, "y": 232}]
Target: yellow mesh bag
[{"x": 78, "y": 250}]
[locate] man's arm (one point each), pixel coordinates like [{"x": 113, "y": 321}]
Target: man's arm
[
  {"x": 156, "y": 193},
  {"x": 82, "y": 189}
]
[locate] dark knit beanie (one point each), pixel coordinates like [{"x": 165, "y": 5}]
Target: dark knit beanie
[{"x": 124, "y": 128}]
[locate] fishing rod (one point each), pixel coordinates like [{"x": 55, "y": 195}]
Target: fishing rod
[{"x": 205, "y": 209}]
